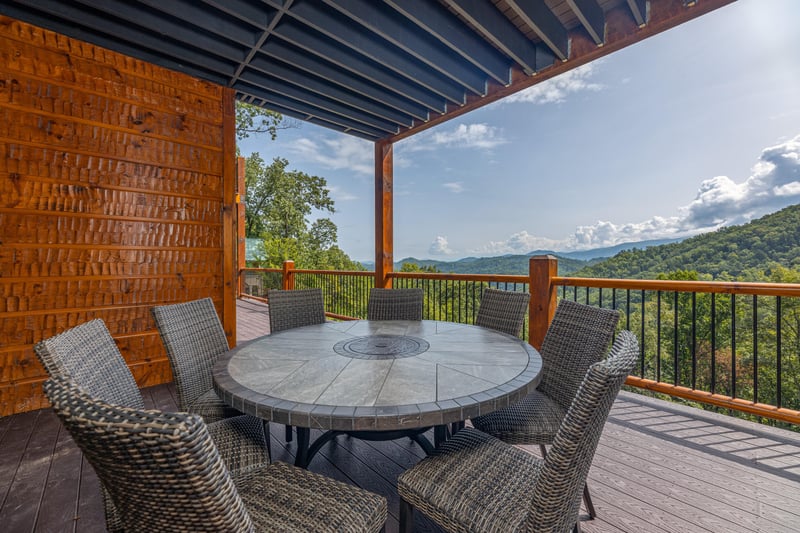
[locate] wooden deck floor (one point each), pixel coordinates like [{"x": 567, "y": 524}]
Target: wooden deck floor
[{"x": 660, "y": 467}]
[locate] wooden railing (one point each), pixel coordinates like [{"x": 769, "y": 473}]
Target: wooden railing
[{"x": 729, "y": 344}]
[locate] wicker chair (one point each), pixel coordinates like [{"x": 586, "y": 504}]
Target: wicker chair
[
  {"x": 578, "y": 336},
  {"x": 194, "y": 339},
  {"x": 88, "y": 356},
  {"x": 164, "y": 473},
  {"x": 395, "y": 304},
  {"x": 294, "y": 309},
  {"x": 503, "y": 310},
  {"x": 475, "y": 482}
]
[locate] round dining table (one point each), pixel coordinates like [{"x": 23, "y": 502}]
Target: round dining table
[{"x": 376, "y": 380}]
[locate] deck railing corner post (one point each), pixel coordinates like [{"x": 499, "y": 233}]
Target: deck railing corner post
[
  {"x": 542, "y": 307},
  {"x": 288, "y": 275}
]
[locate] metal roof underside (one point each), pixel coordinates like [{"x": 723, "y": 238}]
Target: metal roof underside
[{"x": 380, "y": 70}]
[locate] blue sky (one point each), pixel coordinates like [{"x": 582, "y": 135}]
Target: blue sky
[{"x": 690, "y": 130}]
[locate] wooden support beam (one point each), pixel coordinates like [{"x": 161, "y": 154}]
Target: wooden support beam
[
  {"x": 230, "y": 271},
  {"x": 384, "y": 213}
]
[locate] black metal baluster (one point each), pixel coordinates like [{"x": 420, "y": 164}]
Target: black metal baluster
[
  {"x": 641, "y": 348},
  {"x": 694, "y": 340},
  {"x": 675, "y": 351},
  {"x": 658, "y": 334},
  {"x": 755, "y": 348},
  {"x": 779, "y": 379},
  {"x": 733, "y": 346},
  {"x": 713, "y": 343}
]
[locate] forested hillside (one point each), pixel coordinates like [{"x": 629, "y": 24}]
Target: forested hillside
[
  {"x": 736, "y": 252},
  {"x": 504, "y": 264}
]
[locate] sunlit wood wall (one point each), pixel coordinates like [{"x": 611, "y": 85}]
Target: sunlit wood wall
[{"x": 113, "y": 179}]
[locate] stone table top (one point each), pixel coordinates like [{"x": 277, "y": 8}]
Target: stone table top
[{"x": 377, "y": 375}]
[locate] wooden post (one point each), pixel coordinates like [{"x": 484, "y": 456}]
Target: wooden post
[
  {"x": 230, "y": 272},
  {"x": 384, "y": 212},
  {"x": 288, "y": 275},
  {"x": 240, "y": 192},
  {"x": 542, "y": 270}
]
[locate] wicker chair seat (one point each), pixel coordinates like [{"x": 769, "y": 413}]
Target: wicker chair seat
[
  {"x": 211, "y": 408},
  {"x": 533, "y": 420},
  {"x": 474, "y": 483},
  {"x": 282, "y": 497}
]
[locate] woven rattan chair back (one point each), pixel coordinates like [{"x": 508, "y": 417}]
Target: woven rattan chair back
[
  {"x": 88, "y": 356},
  {"x": 194, "y": 339},
  {"x": 294, "y": 309},
  {"x": 578, "y": 337},
  {"x": 503, "y": 310},
  {"x": 558, "y": 488},
  {"x": 395, "y": 304},
  {"x": 163, "y": 470}
]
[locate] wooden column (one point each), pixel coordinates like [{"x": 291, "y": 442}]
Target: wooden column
[
  {"x": 542, "y": 270},
  {"x": 230, "y": 272},
  {"x": 241, "y": 190},
  {"x": 384, "y": 211}
]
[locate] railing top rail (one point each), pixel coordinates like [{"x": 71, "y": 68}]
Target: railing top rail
[
  {"x": 501, "y": 278},
  {"x": 724, "y": 287},
  {"x": 333, "y": 272},
  {"x": 254, "y": 269}
]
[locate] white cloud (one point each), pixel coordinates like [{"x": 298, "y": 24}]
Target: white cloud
[
  {"x": 341, "y": 196},
  {"x": 480, "y": 136},
  {"x": 556, "y": 90},
  {"x": 519, "y": 243},
  {"x": 774, "y": 183},
  {"x": 343, "y": 151},
  {"x": 454, "y": 186},
  {"x": 440, "y": 246}
]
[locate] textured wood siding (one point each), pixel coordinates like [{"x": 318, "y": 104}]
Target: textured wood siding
[{"x": 111, "y": 200}]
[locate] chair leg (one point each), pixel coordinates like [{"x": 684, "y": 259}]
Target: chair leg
[
  {"x": 267, "y": 436},
  {"x": 288, "y": 433},
  {"x": 587, "y": 500},
  {"x": 406, "y": 517}
]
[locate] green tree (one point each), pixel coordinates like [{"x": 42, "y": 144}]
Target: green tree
[
  {"x": 278, "y": 206},
  {"x": 253, "y": 120}
]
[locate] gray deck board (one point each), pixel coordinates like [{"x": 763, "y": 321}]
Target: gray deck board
[{"x": 660, "y": 467}]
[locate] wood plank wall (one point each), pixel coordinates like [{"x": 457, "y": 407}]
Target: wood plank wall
[{"x": 113, "y": 183}]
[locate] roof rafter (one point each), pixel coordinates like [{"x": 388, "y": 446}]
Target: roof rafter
[{"x": 538, "y": 16}]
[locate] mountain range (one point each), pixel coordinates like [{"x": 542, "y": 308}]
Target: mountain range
[{"x": 733, "y": 252}]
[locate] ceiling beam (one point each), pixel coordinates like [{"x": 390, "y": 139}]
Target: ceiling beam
[
  {"x": 302, "y": 110},
  {"x": 275, "y": 85},
  {"x": 591, "y": 16},
  {"x": 544, "y": 23},
  {"x": 278, "y": 49},
  {"x": 385, "y": 22},
  {"x": 639, "y": 11},
  {"x": 368, "y": 44},
  {"x": 503, "y": 34},
  {"x": 317, "y": 85},
  {"x": 346, "y": 59},
  {"x": 444, "y": 26}
]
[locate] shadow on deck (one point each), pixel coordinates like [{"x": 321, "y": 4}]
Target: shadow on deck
[{"x": 659, "y": 467}]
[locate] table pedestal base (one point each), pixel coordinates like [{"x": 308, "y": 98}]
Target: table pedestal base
[{"x": 305, "y": 452}]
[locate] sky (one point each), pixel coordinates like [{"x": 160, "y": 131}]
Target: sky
[{"x": 685, "y": 132}]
